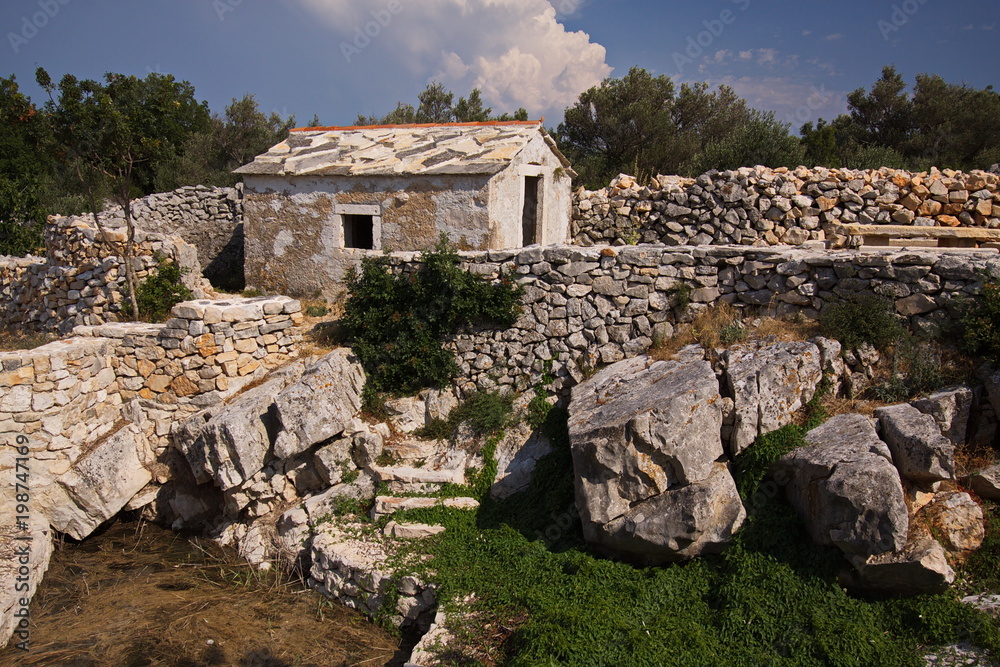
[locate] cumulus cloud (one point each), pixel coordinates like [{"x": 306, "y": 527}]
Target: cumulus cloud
[{"x": 515, "y": 51}]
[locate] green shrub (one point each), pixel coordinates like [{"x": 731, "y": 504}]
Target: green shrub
[
  {"x": 159, "y": 293},
  {"x": 980, "y": 321},
  {"x": 916, "y": 370},
  {"x": 862, "y": 318},
  {"x": 396, "y": 324},
  {"x": 683, "y": 292}
]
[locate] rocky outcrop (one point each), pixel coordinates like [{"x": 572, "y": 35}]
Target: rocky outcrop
[
  {"x": 24, "y": 558},
  {"x": 919, "y": 450},
  {"x": 230, "y": 443},
  {"x": 645, "y": 437},
  {"x": 769, "y": 382},
  {"x": 955, "y": 520},
  {"x": 320, "y": 405},
  {"x": 843, "y": 484}
]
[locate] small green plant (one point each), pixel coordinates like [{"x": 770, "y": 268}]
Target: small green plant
[
  {"x": 317, "y": 311},
  {"x": 251, "y": 293},
  {"x": 916, "y": 369},
  {"x": 862, "y": 318},
  {"x": 980, "y": 321},
  {"x": 682, "y": 293},
  {"x": 732, "y": 333},
  {"x": 159, "y": 293}
]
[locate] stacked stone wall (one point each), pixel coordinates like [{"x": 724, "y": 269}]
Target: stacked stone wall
[
  {"x": 767, "y": 207},
  {"x": 68, "y": 395},
  {"x": 79, "y": 281},
  {"x": 585, "y": 307},
  {"x": 210, "y": 219}
]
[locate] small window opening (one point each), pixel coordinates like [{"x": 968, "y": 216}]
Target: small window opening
[
  {"x": 359, "y": 232},
  {"x": 532, "y": 208}
]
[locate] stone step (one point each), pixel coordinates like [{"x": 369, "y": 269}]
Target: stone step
[
  {"x": 385, "y": 505},
  {"x": 411, "y": 531},
  {"x": 411, "y": 475}
]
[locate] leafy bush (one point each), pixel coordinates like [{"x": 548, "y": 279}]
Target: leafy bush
[
  {"x": 485, "y": 411},
  {"x": 981, "y": 321},
  {"x": 862, "y": 318},
  {"x": 159, "y": 293},
  {"x": 916, "y": 370},
  {"x": 396, "y": 324}
]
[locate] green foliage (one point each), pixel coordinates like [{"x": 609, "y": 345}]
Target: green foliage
[
  {"x": 437, "y": 105},
  {"x": 761, "y": 140},
  {"x": 982, "y": 569},
  {"x": 862, "y": 318},
  {"x": 210, "y": 156},
  {"x": 771, "y": 599},
  {"x": 917, "y": 369},
  {"x": 682, "y": 292},
  {"x": 317, "y": 311},
  {"x": 980, "y": 321},
  {"x": 486, "y": 412},
  {"x": 644, "y": 125},
  {"x": 397, "y": 324},
  {"x": 937, "y": 124},
  {"x": 159, "y": 293}
]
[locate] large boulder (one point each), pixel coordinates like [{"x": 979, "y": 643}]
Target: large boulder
[
  {"x": 228, "y": 444},
  {"x": 769, "y": 383},
  {"x": 919, "y": 450},
  {"x": 99, "y": 483},
  {"x": 679, "y": 524},
  {"x": 845, "y": 488},
  {"x": 320, "y": 405},
  {"x": 641, "y": 431},
  {"x": 950, "y": 408}
]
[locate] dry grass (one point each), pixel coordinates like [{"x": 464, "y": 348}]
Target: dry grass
[
  {"x": 722, "y": 325},
  {"x": 973, "y": 458},
  {"x": 141, "y": 595},
  {"x": 13, "y": 341},
  {"x": 321, "y": 331}
]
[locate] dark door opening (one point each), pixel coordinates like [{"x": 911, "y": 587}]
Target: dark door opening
[
  {"x": 532, "y": 210},
  {"x": 359, "y": 232}
]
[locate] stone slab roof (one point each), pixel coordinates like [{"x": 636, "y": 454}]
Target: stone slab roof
[{"x": 389, "y": 150}]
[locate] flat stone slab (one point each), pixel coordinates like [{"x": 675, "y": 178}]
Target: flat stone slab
[
  {"x": 390, "y": 505},
  {"x": 411, "y": 531}
]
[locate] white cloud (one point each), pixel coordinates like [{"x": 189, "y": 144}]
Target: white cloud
[
  {"x": 806, "y": 33},
  {"x": 834, "y": 37},
  {"x": 795, "y": 100},
  {"x": 515, "y": 51}
]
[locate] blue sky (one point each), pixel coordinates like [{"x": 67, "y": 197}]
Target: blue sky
[{"x": 306, "y": 57}]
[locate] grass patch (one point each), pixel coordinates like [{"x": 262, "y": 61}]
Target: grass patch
[{"x": 772, "y": 599}]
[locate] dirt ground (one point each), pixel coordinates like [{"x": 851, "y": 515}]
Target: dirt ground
[{"x": 138, "y": 595}]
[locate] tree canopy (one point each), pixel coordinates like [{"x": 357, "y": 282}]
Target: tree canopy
[
  {"x": 644, "y": 125},
  {"x": 936, "y": 124},
  {"x": 437, "y": 105}
]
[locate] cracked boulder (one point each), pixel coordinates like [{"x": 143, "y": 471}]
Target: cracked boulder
[
  {"x": 769, "y": 383},
  {"x": 228, "y": 444},
  {"x": 99, "y": 484},
  {"x": 919, "y": 450},
  {"x": 645, "y": 440},
  {"x": 844, "y": 486},
  {"x": 986, "y": 483},
  {"x": 920, "y": 568},
  {"x": 320, "y": 405},
  {"x": 950, "y": 408}
]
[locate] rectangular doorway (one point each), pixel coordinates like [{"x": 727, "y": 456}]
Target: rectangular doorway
[
  {"x": 531, "y": 216},
  {"x": 359, "y": 232}
]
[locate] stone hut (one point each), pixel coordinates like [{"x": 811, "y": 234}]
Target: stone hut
[{"x": 316, "y": 202}]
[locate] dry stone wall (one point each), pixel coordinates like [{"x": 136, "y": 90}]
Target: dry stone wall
[
  {"x": 589, "y": 306},
  {"x": 768, "y": 207},
  {"x": 115, "y": 389},
  {"x": 79, "y": 281},
  {"x": 210, "y": 219}
]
